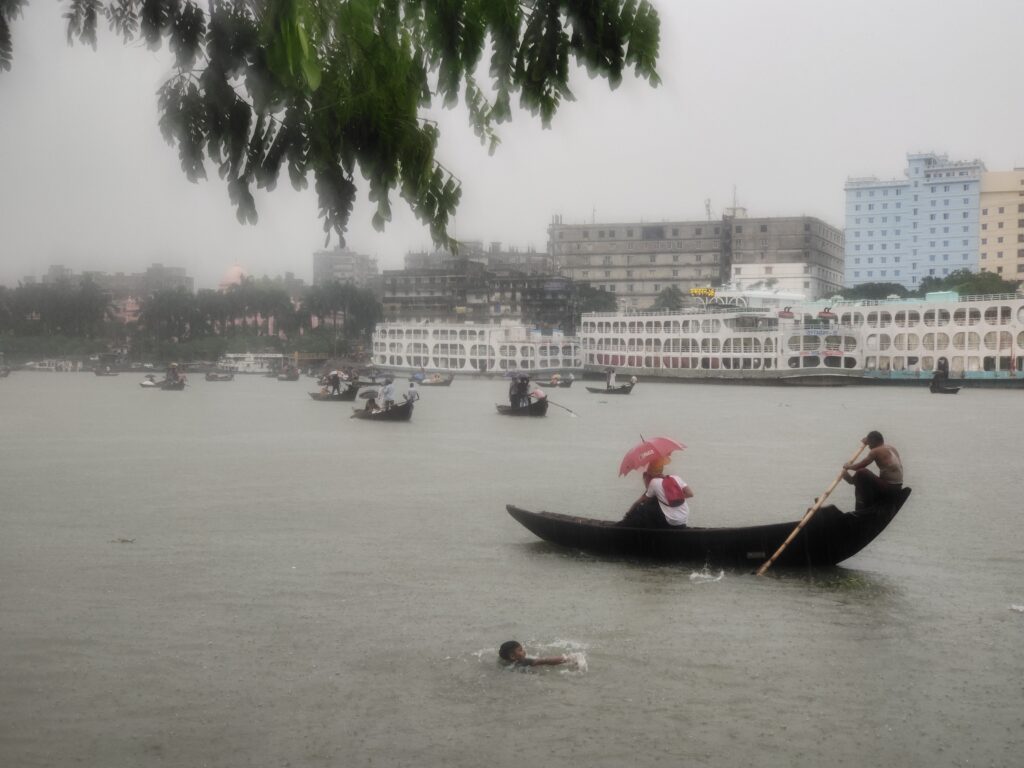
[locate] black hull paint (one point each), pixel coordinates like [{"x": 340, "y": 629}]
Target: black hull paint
[{"x": 830, "y": 537}]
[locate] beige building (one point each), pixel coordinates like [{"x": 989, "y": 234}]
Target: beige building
[
  {"x": 1002, "y": 224},
  {"x": 638, "y": 260}
]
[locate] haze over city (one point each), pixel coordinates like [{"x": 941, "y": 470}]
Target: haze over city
[{"x": 781, "y": 102}]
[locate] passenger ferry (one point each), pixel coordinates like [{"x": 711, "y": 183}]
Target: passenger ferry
[
  {"x": 782, "y": 340},
  {"x": 473, "y": 348},
  {"x": 249, "y": 362}
]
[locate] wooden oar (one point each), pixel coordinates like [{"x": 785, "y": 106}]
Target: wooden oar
[
  {"x": 810, "y": 513},
  {"x": 571, "y": 412}
]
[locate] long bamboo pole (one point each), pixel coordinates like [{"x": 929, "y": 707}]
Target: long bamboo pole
[{"x": 809, "y": 514}]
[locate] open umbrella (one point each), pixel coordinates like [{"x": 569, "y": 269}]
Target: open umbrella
[{"x": 639, "y": 456}]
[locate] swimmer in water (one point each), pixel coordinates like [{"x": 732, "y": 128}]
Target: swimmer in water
[{"x": 513, "y": 654}]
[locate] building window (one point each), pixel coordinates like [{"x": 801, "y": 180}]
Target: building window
[{"x": 764, "y": 227}]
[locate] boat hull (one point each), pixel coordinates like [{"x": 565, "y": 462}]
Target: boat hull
[
  {"x": 535, "y": 408},
  {"x": 444, "y": 381},
  {"x": 346, "y": 395},
  {"x": 397, "y": 412},
  {"x": 625, "y": 389},
  {"x": 830, "y": 537}
]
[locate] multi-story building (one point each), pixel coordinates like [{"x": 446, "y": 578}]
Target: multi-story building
[
  {"x": 344, "y": 266},
  {"x": 1002, "y": 223},
  {"x": 494, "y": 257},
  {"x": 638, "y": 260},
  {"x": 462, "y": 290},
  {"x": 924, "y": 225},
  {"x": 122, "y": 286}
]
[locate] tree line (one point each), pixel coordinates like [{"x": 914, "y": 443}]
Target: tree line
[{"x": 253, "y": 315}]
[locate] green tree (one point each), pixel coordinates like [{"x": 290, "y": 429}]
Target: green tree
[
  {"x": 875, "y": 291},
  {"x": 968, "y": 283},
  {"x": 590, "y": 299},
  {"x": 670, "y": 298},
  {"x": 335, "y": 88}
]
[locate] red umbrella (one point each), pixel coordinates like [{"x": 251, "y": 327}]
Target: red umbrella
[{"x": 641, "y": 455}]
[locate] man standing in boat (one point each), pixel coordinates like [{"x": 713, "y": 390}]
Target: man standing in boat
[
  {"x": 610, "y": 379},
  {"x": 869, "y": 488},
  {"x": 387, "y": 393}
]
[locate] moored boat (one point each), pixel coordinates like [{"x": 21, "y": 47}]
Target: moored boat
[
  {"x": 434, "y": 380},
  {"x": 556, "y": 383},
  {"x": 830, "y": 537},
  {"x": 538, "y": 407},
  {"x": 214, "y": 376},
  {"x": 397, "y": 412}
]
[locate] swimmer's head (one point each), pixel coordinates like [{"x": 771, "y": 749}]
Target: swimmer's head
[{"x": 511, "y": 650}]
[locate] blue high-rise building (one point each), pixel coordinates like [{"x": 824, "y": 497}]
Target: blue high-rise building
[{"x": 903, "y": 230}]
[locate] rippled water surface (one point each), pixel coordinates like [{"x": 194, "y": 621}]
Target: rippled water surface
[{"x": 235, "y": 575}]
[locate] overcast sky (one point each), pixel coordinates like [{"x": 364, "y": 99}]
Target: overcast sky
[{"x": 782, "y": 100}]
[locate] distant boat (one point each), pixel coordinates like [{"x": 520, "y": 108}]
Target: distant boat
[
  {"x": 213, "y": 376},
  {"x": 397, "y": 412},
  {"x": 625, "y": 389},
  {"x": 538, "y": 407}
]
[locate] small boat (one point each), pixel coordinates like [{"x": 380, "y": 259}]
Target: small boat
[
  {"x": 830, "y": 537},
  {"x": 292, "y": 375},
  {"x": 435, "y": 380},
  {"x": 535, "y": 408},
  {"x": 941, "y": 389},
  {"x": 102, "y": 372},
  {"x": 558, "y": 383},
  {"x": 4, "y": 373},
  {"x": 172, "y": 386},
  {"x": 625, "y": 389},
  {"x": 346, "y": 395},
  {"x": 149, "y": 382},
  {"x": 214, "y": 376},
  {"x": 397, "y": 412}
]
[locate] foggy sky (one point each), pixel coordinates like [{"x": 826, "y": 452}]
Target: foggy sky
[{"x": 783, "y": 100}]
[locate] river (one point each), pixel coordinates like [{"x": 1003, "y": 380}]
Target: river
[{"x": 236, "y": 575}]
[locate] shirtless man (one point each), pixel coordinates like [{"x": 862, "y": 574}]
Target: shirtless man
[{"x": 869, "y": 488}]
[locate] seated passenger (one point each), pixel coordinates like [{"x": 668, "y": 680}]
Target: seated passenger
[{"x": 663, "y": 503}]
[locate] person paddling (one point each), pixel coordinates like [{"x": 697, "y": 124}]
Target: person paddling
[{"x": 870, "y": 489}]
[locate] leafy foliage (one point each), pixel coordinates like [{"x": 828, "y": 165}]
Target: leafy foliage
[
  {"x": 968, "y": 283},
  {"x": 590, "y": 299},
  {"x": 875, "y": 291},
  {"x": 335, "y": 87},
  {"x": 670, "y": 298}
]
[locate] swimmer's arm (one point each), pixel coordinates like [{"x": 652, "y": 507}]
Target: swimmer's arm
[{"x": 548, "y": 661}]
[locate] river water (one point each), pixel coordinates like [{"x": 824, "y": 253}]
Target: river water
[{"x": 236, "y": 575}]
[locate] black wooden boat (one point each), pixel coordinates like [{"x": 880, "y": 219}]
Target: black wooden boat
[
  {"x": 624, "y": 389},
  {"x": 434, "y": 380},
  {"x": 101, "y": 372},
  {"x": 347, "y": 395},
  {"x": 291, "y": 376},
  {"x": 939, "y": 389},
  {"x": 830, "y": 537},
  {"x": 397, "y": 412},
  {"x": 560, "y": 384},
  {"x": 174, "y": 386},
  {"x": 535, "y": 408}
]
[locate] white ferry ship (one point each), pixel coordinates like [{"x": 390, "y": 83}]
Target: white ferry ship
[
  {"x": 249, "y": 362},
  {"x": 473, "y": 348},
  {"x": 980, "y": 337}
]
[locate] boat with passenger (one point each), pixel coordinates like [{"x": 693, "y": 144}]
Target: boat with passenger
[{"x": 828, "y": 538}]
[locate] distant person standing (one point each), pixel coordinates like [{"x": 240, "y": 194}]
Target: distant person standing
[
  {"x": 387, "y": 393},
  {"x": 610, "y": 380},
  {"x": 870, "y": 489}
]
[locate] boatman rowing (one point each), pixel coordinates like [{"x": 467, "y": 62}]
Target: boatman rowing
[{"x": 870, "y": 489}]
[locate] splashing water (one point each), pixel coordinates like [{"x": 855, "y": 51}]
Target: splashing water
[
  {"x": 1018, "y": 608},
  {"x": 704, "y": 576},
  {"x": 577, "y": 664}
]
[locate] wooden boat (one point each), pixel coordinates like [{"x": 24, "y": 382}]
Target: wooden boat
[
  {"x": 560, "y": 383},
  {"x": 624, "y": 389},
  {"x": 397, "y": 412},
  {"x": 101, "y": 372},
  {"x": 173, "y": 386},
  {"x": 535, "y": 408},
  {"x": 830, "y": 537},
  {"x": 213, "y": 376},
  {"x": 346, "y": 395},
  {"x": 290, "y": 376},
  {"x": 435, "y": 380},
  {"x": 942, "y": 389}
]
